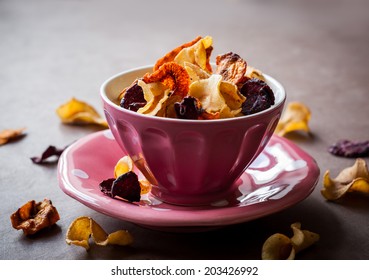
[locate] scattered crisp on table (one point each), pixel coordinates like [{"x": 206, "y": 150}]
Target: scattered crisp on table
[
  {"x": 79, "y": 113},
  {"x": 32, "y": 216},
  {"x": 7, "y": 135},
  {"x": 350, "y": 149},
  {"x": 82, "y": 228},
  {"x": 351, "y": 179},
  {"x": 296, "y": 117},
  {"x": 280, "y": 247},
  {"x": 49, "y": 152}
]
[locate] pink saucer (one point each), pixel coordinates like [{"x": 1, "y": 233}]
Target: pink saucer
[{"x": 280, "y": 177}]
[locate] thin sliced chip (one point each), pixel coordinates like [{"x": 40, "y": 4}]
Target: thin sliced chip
[
  {"x": 145, "y": 186},
  {"x": 351, "y": 179},
  {"x": 280, "y": 247},
  {"x": 212, "y": 99},
  {"x": 33, "y": 217},
  {"x": 349, "y": 148},
  {"x": 7, "y": 135},
  {"x": 189, "y": 108},
  {"x": 252, "y": 72},
  {"x": 207, "y": 91},
  {"x": 124, "y": 165},
  {"x": 232, "y": 67},
  {"x": 295, "y": 118},
  {"x": 79, "y": 232},
  {"x": 173, "y": 76},
  {"x": 120, "y": 237},
  {"x": 79, "y": 113},
  {"x": 232, "y": 96},
  {"x": 196, "y": 54},
  {"x": 155, "y": 94},
  {"x": 50, "y": 151},
  {"x": 302, "y": 239},
  {"x": 195, "y": 72},
  {"x": 132, "y": 97},
  {"x": 82, "y": 228},
  {"x": 126, "y": 186},
  {"x": 172, "y": 54}
]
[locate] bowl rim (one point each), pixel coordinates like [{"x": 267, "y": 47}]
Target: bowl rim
[{"x": 107, "y": 100}]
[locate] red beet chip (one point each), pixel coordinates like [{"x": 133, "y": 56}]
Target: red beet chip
[
  {"x": 49, "y": 152},
  {"x": 259, "y": 96},
  {"x": 133, "y": 99},
  {"x": 188, "y": 108},
  {"x": 351, "y": 149},
  {"x": 105, "y": 186},
  {"x": 127, "y": 187}
]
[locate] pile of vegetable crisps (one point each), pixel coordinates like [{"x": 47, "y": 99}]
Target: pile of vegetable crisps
[{"x": 184, "y": 86}]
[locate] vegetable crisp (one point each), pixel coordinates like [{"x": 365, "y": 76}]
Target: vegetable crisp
[{"x": 183, "y": 85}]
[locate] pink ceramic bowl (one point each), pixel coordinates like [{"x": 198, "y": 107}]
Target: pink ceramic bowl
[{"x": 190, "y": 162}]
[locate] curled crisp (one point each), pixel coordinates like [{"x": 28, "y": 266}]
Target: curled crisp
[
  {"x": 198, "y": 54},
  {"x": 295, "y": 117},
  {"x": 79, "y": 113},
  {"x": 351, "y": 179},
  {"x": 50, "y": 152},
  {"x": 197, "y": 51},
  {"x": 82, "y": 228},
  {"x": 253, "y": 73},
  {"x": 7, "y": 135},
  {"x": 173, "y": 76},
  {"x": 156, "y": 95},
  {"x": 217, "y": 98},
  {"x": 33, "y": 217},
  {"x": 195, "y": 72},
  {"x": 124, "y": 165},
  {"x": 280, "y": 247},
  {"x": 172, "y": 54}
]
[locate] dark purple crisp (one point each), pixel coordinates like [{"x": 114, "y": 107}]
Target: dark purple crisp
[
  {"x": 127, "y": 187},
  {"x": 133, "y": 99},
  {"x": 351, "y": 149},
  {"x": 49, "y": 152},
  {"x": 187, "y": 108},
  {"x": 259, "y": 96},
  {"x": 106, "y": 185}
]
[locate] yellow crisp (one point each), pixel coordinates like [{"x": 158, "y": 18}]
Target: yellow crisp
[
  {"x": 252, "y": 72},
  {"x": 82, "y": 228},
  {"x": 145, "y": 186},
  {"x": 296, "y": 117},
  {"x": 351, "y": 179},
  {"x": 195, "y": 72},
  {"x": 217, "y": 96},
  {"x": 280, "y": 247},
  {"x": 79, "y": 112},
  {"x": 8, "y": 134},
  {"x": 155, "y": 94},
  {"x": 231, "y": 95},
  {"x": 124, "y": 165},
  {"x": 195, "y": 54}
]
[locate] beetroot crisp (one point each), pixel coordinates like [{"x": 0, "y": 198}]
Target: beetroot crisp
[
  {"x": 49, "y": 152},
  {"x": 351, "y": 149},
  {"x": 126, "y": 186}
]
